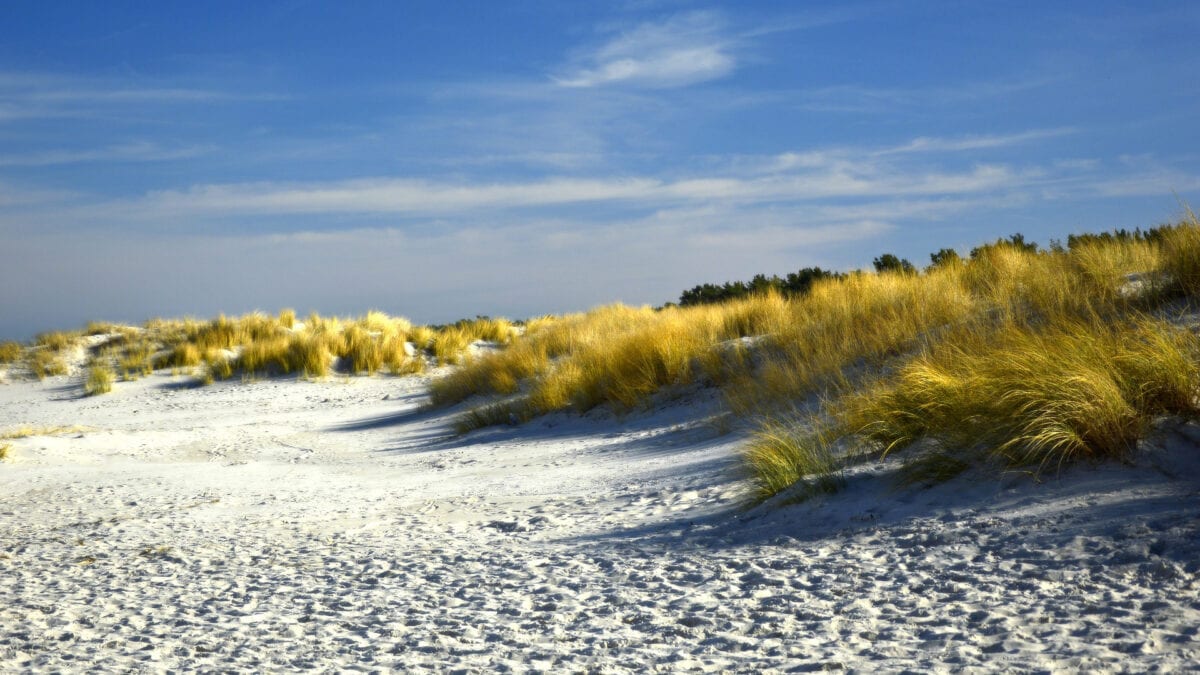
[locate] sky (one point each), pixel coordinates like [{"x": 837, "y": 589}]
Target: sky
[{"x": 440, "y": 160}]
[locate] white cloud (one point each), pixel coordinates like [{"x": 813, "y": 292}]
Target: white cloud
[
  {"x": 128, "y": 152},
  {"x": 39, "y": 95},
  {"x": 682, "y": 50},
  {"x": 422, "y": 197},
  {"x": 976, "y": 142}
]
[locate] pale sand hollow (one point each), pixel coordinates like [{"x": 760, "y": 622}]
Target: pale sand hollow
[{"x": 334, "y": 526}]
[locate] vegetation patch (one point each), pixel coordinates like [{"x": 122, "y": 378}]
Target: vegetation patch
[
  {"x": 10, "y": 352},
  {"x": 99, "y": 377}
]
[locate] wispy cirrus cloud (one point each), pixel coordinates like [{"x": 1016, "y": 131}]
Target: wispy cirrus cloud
[
  {"x": 909, "y": 180},
  {"x": 976, "y": 142},
  {"x": 682, "y": 50},
  {"x": 141, "y": 151},
  {"x": 855, "y": 98},
  {"x": 39, "y": 95},
  {"x": 422, "y": 197}
]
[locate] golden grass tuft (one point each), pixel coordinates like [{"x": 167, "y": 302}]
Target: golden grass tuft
[
  {"x": 183, "y": 355},
  {"x": 46, "y": 363},
  {"x": 311, "y": 355},
  {"x": 362, "y": 350},
  {"x": 287, "y": 318},
  {"x": 137, "y": 360},
  {"x": 450, "y": 345},
  {"x": 216, "y": 367},
  {"x": 787, "y": 454},
  {"x": 99, "y": 377},
  {"x": 266, "y": 357},
  {"x": 1181, "y": 256},
  {"x": 421, "y": 336},
  {"x": 1038, "y": 397},
  {"x": 28, "y": 431},
  {"x": 56, "y": 340},
  {"x": 5, "y": 451},
  {"x": 10, "y": 352}
]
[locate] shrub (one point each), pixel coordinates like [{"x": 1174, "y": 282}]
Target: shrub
[
  {"x": 794, "y": 284},
  {"x": 943, "y": 258},
  {"x": 888, "y": 263}
]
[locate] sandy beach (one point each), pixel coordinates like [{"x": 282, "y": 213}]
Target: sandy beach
[{"x": 338, "y": 526}]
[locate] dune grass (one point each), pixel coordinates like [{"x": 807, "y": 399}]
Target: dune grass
[
  {"x": 788, "y": 454},
  {"x": 45, "y": 363},
  {"x": 1011, "y": 357},
  {"x": 1036, "y": 397},
  {"x": 28, "y": 431},
  {"x": 264, "y": 345},
  {"x": 56, "y": 340},
  {"x": 136, "y": 360},
  {"x": 1063, "y": 359},
  {"x": 10, "y": 352},
  {"x": 1017, "y": 398},
  {"x": 100, "y": 377}
]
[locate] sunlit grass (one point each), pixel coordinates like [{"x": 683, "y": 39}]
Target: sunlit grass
[
  {"x": 10, "y": 352},
  {"x": 787, "y": 454},
  {"x": 99, "y": 378},
  {"x": 1010, "y": 358},
  {"x": 28, "y": 431},
  {"x": 1181, "y": 256},
  {"x": 1035, "y": 397},
  {"x": 137, "y": 360},
  {"x": 45, "y": 363},
  {"x": 56, "y": 340}
]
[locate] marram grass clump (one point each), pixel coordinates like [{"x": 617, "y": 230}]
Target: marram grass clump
[
  {"x": 1036, "y": 398},
  {"x": 99, "y": 377},
  {"x": 261, "y": 345},
  {"x": 790, "y": 455},
  {"x": 10, "y": 352},
  {"x": 1018, "y": 398}
]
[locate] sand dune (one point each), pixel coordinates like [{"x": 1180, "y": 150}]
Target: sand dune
[{"x": 282, "y": 525}]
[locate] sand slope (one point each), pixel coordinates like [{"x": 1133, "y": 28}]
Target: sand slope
[{"x": 284, "y": 525}]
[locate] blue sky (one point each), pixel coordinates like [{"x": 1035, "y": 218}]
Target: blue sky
[{"x": 441, "y": 160}]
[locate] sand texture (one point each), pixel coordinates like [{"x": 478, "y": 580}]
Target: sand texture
[{"x": 335, "y": 526}]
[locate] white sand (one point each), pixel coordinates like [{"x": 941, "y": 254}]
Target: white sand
[{"x": 286, "y": 525}]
